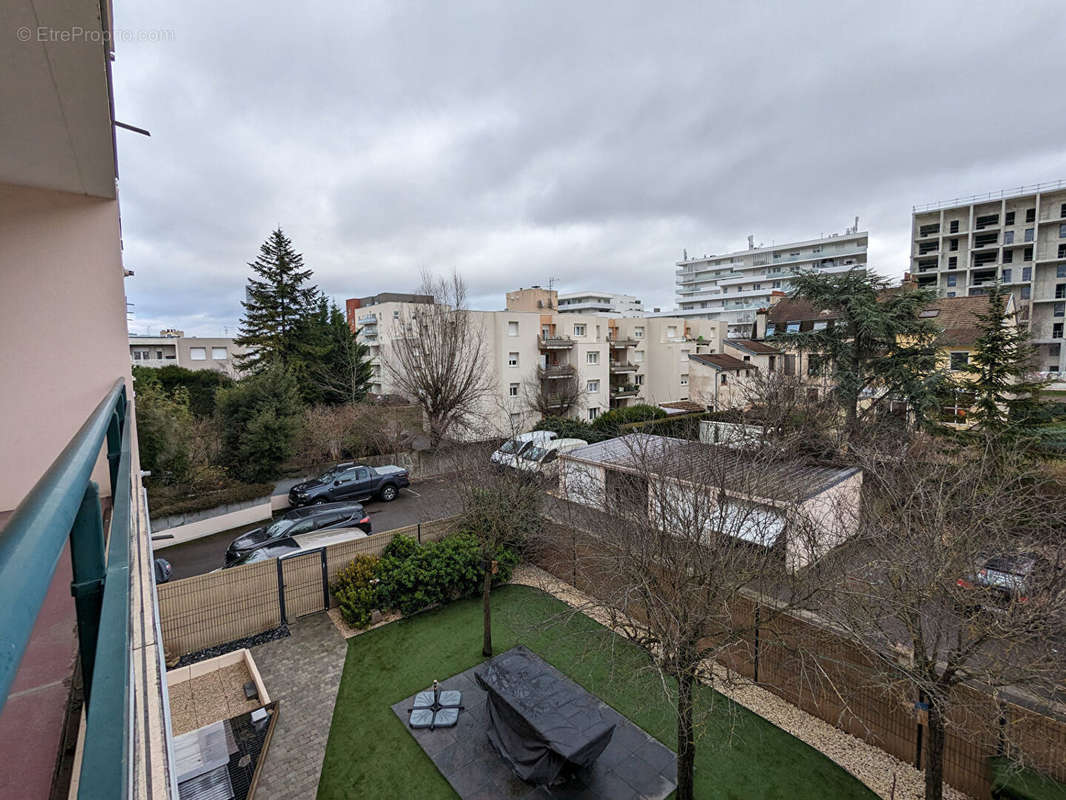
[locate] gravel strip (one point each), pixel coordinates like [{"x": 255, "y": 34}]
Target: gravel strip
[{"x": 871, "y": 765}]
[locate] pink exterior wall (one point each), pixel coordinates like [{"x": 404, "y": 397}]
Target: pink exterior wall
[{"x": 63, "y": 335}]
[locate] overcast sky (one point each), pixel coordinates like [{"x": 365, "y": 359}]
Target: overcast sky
[{"x": 586, "y": 142}]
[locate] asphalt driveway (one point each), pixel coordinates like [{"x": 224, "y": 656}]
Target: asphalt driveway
[{"x": 423, "y": 501}]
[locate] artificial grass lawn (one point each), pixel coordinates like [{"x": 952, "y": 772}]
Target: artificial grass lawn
[{"x": 370, "y": 753}]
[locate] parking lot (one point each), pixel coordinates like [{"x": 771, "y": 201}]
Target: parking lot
[{"x": 423, "y": 501}]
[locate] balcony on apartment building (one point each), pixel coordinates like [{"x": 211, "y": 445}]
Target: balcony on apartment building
[
  {"x": 619, "y": 342},
  {"x": 556, "y": 371},
  {"x": 367, "y": 319},
  {"x": 932, "y": 229},
  {"x": 553, "y": 342},
  {"x": 621, "y": 367},
  {"x": 120, "y": 657},
  {"x": 925, "y": 248},
  {"x": 986, "y": 221}
]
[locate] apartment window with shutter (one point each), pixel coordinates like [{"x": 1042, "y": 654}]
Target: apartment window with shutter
[
  {"x": 218, "y": 353},
  {"x": 198, "y": 354},
  {"x": 512, "y": 328},
  {"x": 512, "y": 359}
]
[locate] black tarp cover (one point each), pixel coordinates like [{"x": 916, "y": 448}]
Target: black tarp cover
[{"x": 540, "y": 721}]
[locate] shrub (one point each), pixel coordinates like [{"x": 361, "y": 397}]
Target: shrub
[
  {"x": 567, "y": 428},
  {"x": 201, "y": 384},
  {"x": 413, "y": 577},
  {"x": 205, "y": 490},
  {"x": 356, "y": 590},
  {"x": 163, "y": 428},
  {"x": 613, "y": 420}
]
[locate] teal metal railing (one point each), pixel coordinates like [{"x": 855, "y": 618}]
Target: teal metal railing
[{"x": 65, "y": 505}]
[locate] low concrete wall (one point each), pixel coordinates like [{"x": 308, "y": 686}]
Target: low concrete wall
[
  {"x": 245, "y": 514},
  {"x": 161, "y": 524}
]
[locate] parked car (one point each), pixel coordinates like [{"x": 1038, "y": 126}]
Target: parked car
[
  {"x": 354, "y": 483},
  {"x": 326, "y": 477},
  {"x": 540, "y": 458},
  {"x": 163, "y": 570},
  {"x": 513, "y": 448},
  {"x": 291, "y": 545},
  {"x": 303, "y": 520},
  {"x": 1002, "y": 578}
]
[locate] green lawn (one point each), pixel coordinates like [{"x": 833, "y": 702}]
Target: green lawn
[{"x": 370, "y": 753}]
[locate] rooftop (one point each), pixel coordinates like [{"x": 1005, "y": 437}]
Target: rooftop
[
  {"x": 720, "y": 361},
  {"x": 752, "y": 346},
  {"x": 1002, "y": 194},
  {"x": 832, "y": 237},
  {"x": 696, "y": 462}
]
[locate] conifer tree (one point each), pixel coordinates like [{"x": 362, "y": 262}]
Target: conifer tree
[
  {"x": 333, "y": 367},
  {"x": 279, "y": 299},
  {"x": 1005, "y": 393}
]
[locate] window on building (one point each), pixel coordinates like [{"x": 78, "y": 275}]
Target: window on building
[
  {"x": 136, "y": 355},
  {"x": 592, "y": 357},
  {"x": 638, "y": 356},
  {"x": 159, "y": 354},
  {"x": 1029, "y": 234},
  {"x": 684, "y": 380},
  {"x": 1059, "y": 310},
  {"x": 1060, "y": 291},
  {"x": 1005, "y": 275},
  {"x": 1030, "y": 215},
  {"x": 1062, "y": 231},
  {"x": 757, "y": 286},
  {"x": 198, "y": 354},
  {"x": 1027, "y": 292},
  {"x": 953, "y": 280},
  {"x": 579, "y": 330},
  {"x": 1008, "y": 218},
  {"x": 1027, "y": 273},
  {"x": 1008, "y": 256},
  {"x": 592, "y": 387},
  {"x": 1027, "y": 254},
  {"x": 1062, "y": 210},
  {"x": 512, "y": 359},
  {"x": 953, "y": 226},
  {"x": 1008, "y": 237},
  {"x": 1053, "y": 350},
  {"x": 1056, "y": 330},
  {"x": 671, "y": 330},
  {"x": 792, "y": 326},
  {"x": 512, "y": 390},
  {"x": 790, "y": 365},
  {"x": 953, "y": 262},
  {"x": 512, "y": 328},
  {"x": 771, "y": 363},
  {"x": 638, "y": 380},
  {"x": 951, "y": 294},
  {"x": 593, "y": 413},
  {"x": 1062, "y": 251},
  {"x": 1060, "y": 270},
  {"x": 725, "y": 379},
  {"x": 953, "y": 244},
  {"x": 219, "y": 353},
  {"x": 638, "y": 332},
  {"x": 959, "y": 360},
  {"x": 776, "y": 285},
  {"x": 769, "y": 329}
]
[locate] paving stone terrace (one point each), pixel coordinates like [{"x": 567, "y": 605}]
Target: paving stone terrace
[{"x": 302, "y": 671}]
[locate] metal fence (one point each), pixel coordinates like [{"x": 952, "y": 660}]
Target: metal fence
[{"x": 221, "y": 607}]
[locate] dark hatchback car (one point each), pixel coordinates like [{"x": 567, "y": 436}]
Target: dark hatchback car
[{"x": 301, "y": 520}]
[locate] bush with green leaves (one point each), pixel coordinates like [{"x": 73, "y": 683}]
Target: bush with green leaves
[
  {"x": 201, "y": 384},
  {"x": 163, "y": 432},
  {"x": 260, "y": 417},
  {"x": 413, "y": 577},
  {"x": 612, "y": 421},
  {"x": 567, "y": 428},
  {"x": 356, "y": 590}
]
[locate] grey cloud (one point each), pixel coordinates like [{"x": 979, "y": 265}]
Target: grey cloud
[{"x": 589, "y": 142}]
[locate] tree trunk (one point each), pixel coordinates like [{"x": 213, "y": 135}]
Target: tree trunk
[
  {"x": 686, "y": 739},
  {"x": 934, "y": 754},
  {"x": 486, "y": 610}
]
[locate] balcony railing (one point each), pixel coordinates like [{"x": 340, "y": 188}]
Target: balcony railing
[
  {"x": 623, "y": 366},
  {"x": 556, "y": 342},
  {"x": 622, "y": 341},
  {"x": 631, "y": 390},
  {"x": 65, "y": 505},
  {"x": 556, "y": 371}
]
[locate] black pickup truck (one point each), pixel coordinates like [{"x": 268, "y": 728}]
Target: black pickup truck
[{"x": 353, "y": 483}]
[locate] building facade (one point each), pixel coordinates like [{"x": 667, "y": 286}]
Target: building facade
[
  {"x": 190, "y": 352},
  {"x": 603, "y": 303},
  {"x": 732, "y": 287},
  {"x": 582, "y": 365},
  {"x": 1018, "y": 237}
]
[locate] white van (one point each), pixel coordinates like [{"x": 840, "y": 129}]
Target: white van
[
  {"x": 513, "y": 448},
  {"x": 541, "y": 457}
]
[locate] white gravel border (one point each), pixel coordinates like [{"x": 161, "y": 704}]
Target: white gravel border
[{"x": 870, "y": 764}]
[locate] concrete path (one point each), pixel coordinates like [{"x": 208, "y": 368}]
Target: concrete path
[{"x": 303, "y": 671}]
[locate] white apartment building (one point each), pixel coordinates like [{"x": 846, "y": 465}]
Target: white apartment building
[
  {"x": 612, "y": 361},
  {"x": 1017, "y": 236},
  {"x": 732, "y": 287},
  {"x": 602, "y": 303}
]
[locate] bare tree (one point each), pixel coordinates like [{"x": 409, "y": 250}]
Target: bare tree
[
  {"x": 955, "y": 583},
  {"x": 688, "y": 534},
  {"x": 550, "y": 396},
  {"x": 438, "y": 357}
]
